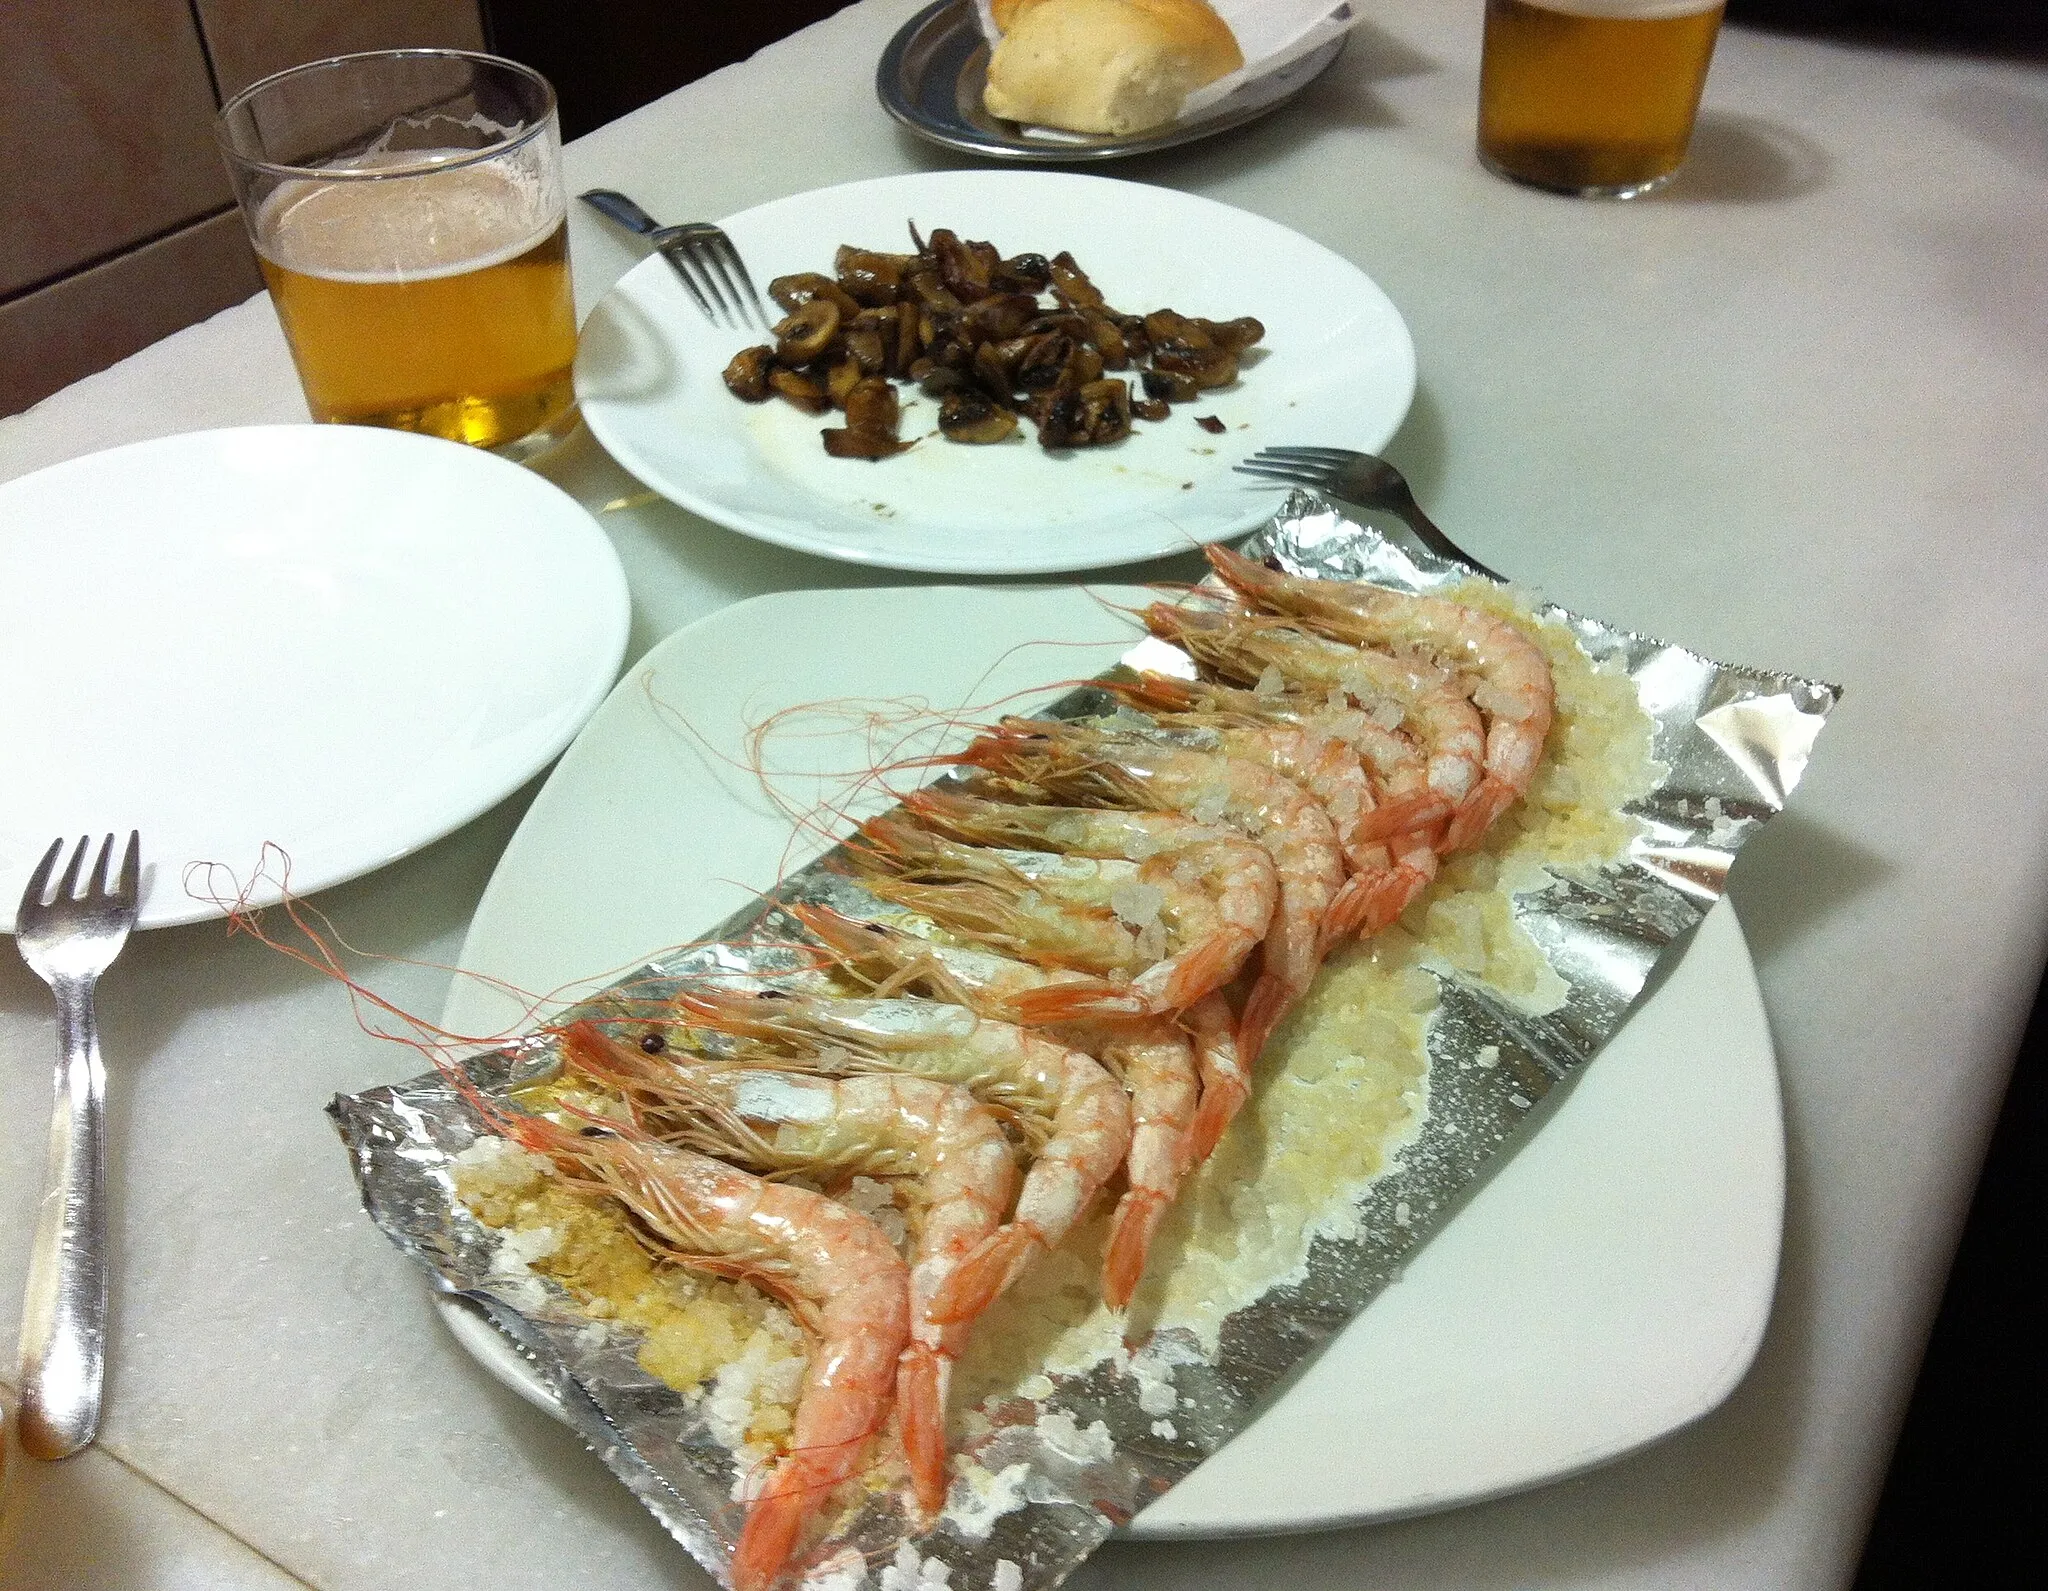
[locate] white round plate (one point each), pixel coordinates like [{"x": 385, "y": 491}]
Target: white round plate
[
  {"x": 1609, "y": 1285},
  {"x": 337, "y": 641},
  {"x": 1337, "y": 367}
]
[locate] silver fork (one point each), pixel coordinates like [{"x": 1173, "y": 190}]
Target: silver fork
[
  {"x": 69, "y": 941},
  {"x": 1365, "y": 482},
  {"x": 701, "y": 254}
]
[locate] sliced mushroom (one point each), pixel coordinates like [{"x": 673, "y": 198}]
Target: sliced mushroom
[
  {"x": 793, "y": 292},
  {"x": 872, "y": 406},
  {"x": 969, "y": 416},
  {"x": 1070, "y": 284},
  {"x": 806, "y": 392},
  {"x": 852, "y": 444},
  {"x": 807, "y": 333},
  {"x": 746, "y": 378},
  {"x": 869, "y": 277}
]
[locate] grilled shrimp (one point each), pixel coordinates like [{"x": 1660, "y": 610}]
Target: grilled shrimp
[
  {"x": 1213, "y": 893},
  {"x": 1088, "y": 1136},
  {"x": 1243, "y": 646},
  {"x": 1155, "y": 1058},
  {"x": 833, "y": 1265},
  {"x": 1515, "y": 690},
  {"x": 1402, "y": 801},
  {"x": 1217, "y": 891},
  {"x": 1034, "y": 760},
  {"x": 884, "y": 1124}
]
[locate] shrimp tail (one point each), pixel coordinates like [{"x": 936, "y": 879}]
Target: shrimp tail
[
  {"x": 1138, "y": 1214},
  {"x": 1225, "y": 1082},
  {"x": 1270, "y": 1000},
  {"x": 921, "y": 1378},
  {"x": 775, "y": 1520},
  {"x": 1491, "y": 797},
  {"x": 1403, "y": 814},
  {"x": 981, "y": 1277}
]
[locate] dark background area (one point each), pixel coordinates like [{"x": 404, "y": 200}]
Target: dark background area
[{"x": 1961, "y": 1504}]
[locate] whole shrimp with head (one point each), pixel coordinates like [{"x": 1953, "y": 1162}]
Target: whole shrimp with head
[
  {"x": 1084, "y": 1115},
  {"x": 880, "y": 1124},
  {"x": 833, "y": 1266},
  {"x": 1513, "y": 686},
  {"x": 1154, "y": 1057},
  {"x": 1090, "y": 765}
]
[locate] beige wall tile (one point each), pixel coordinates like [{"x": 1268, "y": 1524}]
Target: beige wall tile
[
  {"x": 109, "y": 118},
  {"x": 53, "y": 336},
  {"x": 249, "y": 39}
]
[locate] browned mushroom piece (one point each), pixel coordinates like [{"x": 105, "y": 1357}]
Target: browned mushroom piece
[
  {"x": 923, "y": 286},
  {"x": 806, "y": 392},
  {"x": 1105, "y": 411},
  {"x": 1169, "y": 328},
  {"x": 852, "y": 444},
  {"x": 970, "y": 416},
  {"x": 865, "y": 346},
  {"x": 807, "y": 333},
  {"x": 1044, "y": 362},
  {"x": 1024, "y": 273},
  {"x": 1151, "y": 408},
  {"x": 967, "y": 269},
  {"x": 1070, "y": 284},
  {"x": 1059, "y": 415},
  {"x": 842, "y": 378},
  {"x": 999, "y": 316},
  {"x": 1169, "y": 386},
  {"x": 1107, "y": 339},
  {"x": 1205, "y": 367},
  {"x": 870, "y": 277},
  {"x": 993, "y": 373},
  {"x": 1234, "y": 336},
  {"x": 795, "y": 291},
  {"x": 746, "y": 377},
  {"x": 1211, "y": 424},
  {"x": 938, "y": 380},
  {"x": 1084, "y": 365},
  {"x": 872, "y": 406}
]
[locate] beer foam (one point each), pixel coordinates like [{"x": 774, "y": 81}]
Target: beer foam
[
  {"x": 415, "y": 227},
  {"x": 1625, "y": 10}
]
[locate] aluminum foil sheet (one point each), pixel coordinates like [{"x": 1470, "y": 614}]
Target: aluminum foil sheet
[{"x": 1732, "y": 741}]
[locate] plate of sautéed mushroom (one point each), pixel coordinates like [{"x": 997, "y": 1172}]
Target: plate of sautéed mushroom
[{"x": 995, "y": 372}]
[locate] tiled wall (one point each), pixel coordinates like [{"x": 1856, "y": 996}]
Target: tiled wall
[{"x": 117, "y": 226}]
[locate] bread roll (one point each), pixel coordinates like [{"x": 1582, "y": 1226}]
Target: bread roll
[{"x": 1104, "y": 66}]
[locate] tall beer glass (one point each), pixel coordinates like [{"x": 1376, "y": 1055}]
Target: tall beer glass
[
  {"x": 407, "y": 210},
  {"x": 1592, "y": 97}
]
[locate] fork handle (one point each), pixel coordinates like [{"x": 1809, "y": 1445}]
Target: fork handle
[
  {"x": 63, "y": 1325},
  {"x": 617, "y": 207}
]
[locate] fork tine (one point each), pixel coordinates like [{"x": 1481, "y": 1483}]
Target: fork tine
[
  {"x": 751, "y": 299},
  {"x": 1317, "y": 455},
  {"x": 678, "y": 257},
  {"x": 67, "y": 889},
  {"x": 39, "y": 880},
  {"x": 705, "y": 252},
  {"x": 126, "y": 885},
  {"x": 97, "y": 888},
  {"x": 1279, "y": 472}
]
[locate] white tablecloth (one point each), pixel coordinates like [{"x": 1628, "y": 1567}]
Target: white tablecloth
[{"x": 1789, "y": 411}]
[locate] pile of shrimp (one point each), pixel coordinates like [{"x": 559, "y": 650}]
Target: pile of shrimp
[{"x": 1080, "y": 945}]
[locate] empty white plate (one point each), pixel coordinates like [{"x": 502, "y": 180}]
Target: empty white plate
[{"x": 338, "y": 642}]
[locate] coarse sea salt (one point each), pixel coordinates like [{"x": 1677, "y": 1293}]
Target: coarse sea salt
[{"x": 979, "y": 1498}]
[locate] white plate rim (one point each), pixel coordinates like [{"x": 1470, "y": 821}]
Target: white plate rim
[
  {"x": 646, "y": 301},
  {"x": 605, "y": 615},
  {"x": 1212, "y": 1503}
]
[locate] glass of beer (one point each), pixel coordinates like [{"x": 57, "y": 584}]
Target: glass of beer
[
  {"x": 407, "y": 210},
  {"x": 1592, "y": 97}
]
